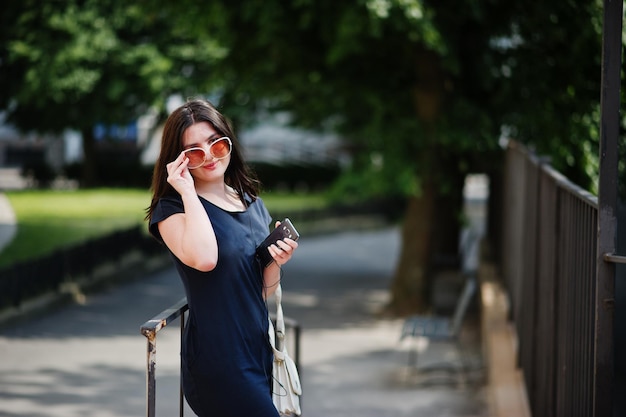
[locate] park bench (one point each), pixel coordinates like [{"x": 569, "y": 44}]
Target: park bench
[{"x": 440, "y": 328}]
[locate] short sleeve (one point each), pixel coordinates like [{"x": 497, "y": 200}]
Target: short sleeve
[
  {"x": 265, "y": 213},
  {"x": 164, "y": 208}
]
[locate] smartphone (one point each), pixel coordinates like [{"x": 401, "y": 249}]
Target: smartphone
[{"x": 284, "y": 230}]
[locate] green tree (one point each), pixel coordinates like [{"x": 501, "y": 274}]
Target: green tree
[
  {"x": 422, "y": 88},
  {"x": 382, "y": 74},
  {"x": 551, "y": 61},
  {"x": 73, "y": 64}
]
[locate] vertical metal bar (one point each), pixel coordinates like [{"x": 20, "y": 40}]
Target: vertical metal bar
[
  {"x": 531, "y": 315},
  {"x": 548, "y": 255},
  {"x": 565, "y": 241},
  {"x": 565, "y": 271},
  {"x": 577, "y": 400},
  {"x": 581, "y": 316},
  {"x": 150, "y": 377},
  {"x": 587, "y": 330},
  {"x": 297, "y": 346},
  {"x": 534, "y": 252},
  {"x": 607, "y": 205},
  {"x": 181, "y": 404}
]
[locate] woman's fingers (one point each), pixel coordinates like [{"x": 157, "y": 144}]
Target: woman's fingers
[
  {"x": 287, "y": 244},
  {"x": 282, "y": 250},
  {"x": 177, "y": 164},
  {"x": 178, "y": 174}
]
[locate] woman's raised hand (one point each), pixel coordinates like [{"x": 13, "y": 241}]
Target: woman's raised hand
[{"x": 178, "y": 175}]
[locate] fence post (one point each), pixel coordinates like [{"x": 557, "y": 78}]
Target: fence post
[
  {"x": 150, "y": 374},
  {"x": 607, "y": 207}
]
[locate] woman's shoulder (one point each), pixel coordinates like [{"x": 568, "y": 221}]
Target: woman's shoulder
[
  {"x": 257, "y": 206},
  {"x": 166, "y": 206},
  {"x": 256, "y": 201}
]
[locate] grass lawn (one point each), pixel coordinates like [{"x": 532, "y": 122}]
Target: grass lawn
[{"x": 50, "y": 219}]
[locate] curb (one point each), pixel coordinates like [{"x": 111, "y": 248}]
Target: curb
[{"x": 507, "y": 396}]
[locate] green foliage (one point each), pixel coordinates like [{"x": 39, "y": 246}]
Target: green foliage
[
  {"x": 354, "y": 67},
  {"x": 377, "y": 179},
  {"x": 73, "y": 64},
  {"x": 420, "y": 89},
  {"x": 552, "y": 69},
  {"x": 401, "y": 78}
]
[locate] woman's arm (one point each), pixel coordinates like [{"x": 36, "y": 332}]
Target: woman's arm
[
  {"x": 189, "y": 235},
  {"x": 282, "y": 252}
]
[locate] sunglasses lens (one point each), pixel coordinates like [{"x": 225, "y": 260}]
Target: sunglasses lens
[
  {"x": 196, "y": 157},
  {"x": 220, "y": 148}
]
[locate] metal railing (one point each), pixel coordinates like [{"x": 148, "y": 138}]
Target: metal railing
[
  {"x": 150, "y": 329},
  {"x": 549, "y": 247}
]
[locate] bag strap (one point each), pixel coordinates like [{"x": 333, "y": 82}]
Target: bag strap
[{"x": 280, "y": 321}]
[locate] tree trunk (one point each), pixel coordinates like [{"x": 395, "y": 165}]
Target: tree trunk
[
  {"x": 448, "y": 220},
  {"x": 430, "y": 237},
  {"x": 409, "y": 287},
  {"x": 431, "y": 224},
  {"x": 89, "y": 171}
]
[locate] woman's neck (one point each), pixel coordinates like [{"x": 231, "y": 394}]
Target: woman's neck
[{"x": 222, "y": 196}]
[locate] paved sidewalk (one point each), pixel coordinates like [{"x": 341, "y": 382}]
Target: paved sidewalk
[
  {"x": 8, "y": 226},
  {"x": 89, "y": 360}
]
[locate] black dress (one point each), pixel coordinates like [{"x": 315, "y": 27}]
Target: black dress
[{"x": 226, "y": 355}]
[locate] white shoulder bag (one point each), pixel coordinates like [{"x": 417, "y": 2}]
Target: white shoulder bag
[{"x": 286, "y": 388}]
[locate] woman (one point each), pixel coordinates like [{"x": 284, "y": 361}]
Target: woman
[{"x": 205, "y": 208}]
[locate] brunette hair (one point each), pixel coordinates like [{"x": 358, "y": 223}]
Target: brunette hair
[{"x": 238, "y": 175}]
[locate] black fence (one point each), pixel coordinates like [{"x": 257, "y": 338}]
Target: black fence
[
  {"x": 32, "y": 278},
  {"x": 548, "y": 259}
]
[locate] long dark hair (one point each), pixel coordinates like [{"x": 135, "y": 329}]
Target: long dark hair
[{"x": 238, "y": 175}]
